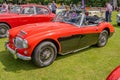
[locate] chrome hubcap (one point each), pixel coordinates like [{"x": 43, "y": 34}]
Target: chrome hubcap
[
  {"x": 103, "y": 39},
  {"x": 2, "y": 31},
  {"x": 45, "y": 55}
]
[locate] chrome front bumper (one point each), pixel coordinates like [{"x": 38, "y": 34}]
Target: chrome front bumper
[{"x": 16, "y": 54}]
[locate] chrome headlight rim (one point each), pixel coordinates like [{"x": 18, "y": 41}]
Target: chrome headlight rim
[
  {"x": 25, "y": 43},
  {"x": 20, "y": 42}
]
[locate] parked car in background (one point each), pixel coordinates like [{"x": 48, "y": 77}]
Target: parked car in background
[
  {"x": 24, "y": 14},
  {"x": 115, "y": 74},
  {"x": 68, "y": 32},
  {"x": 96, "y": 11},
  {"x": 118, "y": 19}
]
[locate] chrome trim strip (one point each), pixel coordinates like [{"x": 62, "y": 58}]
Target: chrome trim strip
[
  {"x": 17, "y": 55},
  {"x": 73, "y": 51},
  {"x": 81, "y": 49}
]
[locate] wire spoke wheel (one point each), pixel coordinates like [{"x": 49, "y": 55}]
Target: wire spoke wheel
[
  {"x": 44, "y": 54},
  {"x": 103, "y": 38},
  {"x": 3, "y": 29}
]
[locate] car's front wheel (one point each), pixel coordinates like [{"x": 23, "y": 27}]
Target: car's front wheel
[
  {"x": 44, "y": 54},
  {"x": 3, "y": 29},
  {"x": 103, "y": 38}
]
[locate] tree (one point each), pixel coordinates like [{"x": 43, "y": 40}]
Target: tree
[{"x": 93, "y": 3}]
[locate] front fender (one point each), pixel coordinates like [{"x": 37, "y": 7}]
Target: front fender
[{"x": 35, "y": 40}]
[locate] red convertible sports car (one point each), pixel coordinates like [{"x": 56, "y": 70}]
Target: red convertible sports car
[
  {"x": 24, "y": 14},
  {"x": 115, "y": 74},
  {"x": 68, "y": 32}
]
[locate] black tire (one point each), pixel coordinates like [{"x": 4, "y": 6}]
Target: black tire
[
  {"x": 44, "y": 54},
  {"x": 103, "y": 38},
  {"x": 118, "y": 24},
  {"x": 3, "y": 29}
]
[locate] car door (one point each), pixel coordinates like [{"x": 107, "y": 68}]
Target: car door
[
  {"x": 27, "y": 15},
  {"x": 26, "y": 19},
  {"x": 43, "y": 15},
  {"x": 69, "y": 40},
  {"x": 89, "y": 35}
]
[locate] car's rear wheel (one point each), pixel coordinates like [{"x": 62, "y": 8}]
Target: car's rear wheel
[
  {"x": 3, "y": 29},
  {"x": 118, "y": 24},
  {"x": 44, "y": 54},
  {"x": 103, "y": 38}
]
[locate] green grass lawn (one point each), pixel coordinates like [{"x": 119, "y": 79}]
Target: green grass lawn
[{"x": 89, "y": 64}]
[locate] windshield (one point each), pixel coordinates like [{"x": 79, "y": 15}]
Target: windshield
[
  {"x": 27, "y": 10},
  {"x": 19, "y": 9},
  {"x": 15, "y": 9},
  {"x": 71, "y": 17},
  {"x": 11, "y": 9}
]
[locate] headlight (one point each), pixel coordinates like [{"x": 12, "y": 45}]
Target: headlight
[
  {"x": 20, "y": 43},
  {"x": 25, "y": 43},
  {"x": 7, "y": 34}
]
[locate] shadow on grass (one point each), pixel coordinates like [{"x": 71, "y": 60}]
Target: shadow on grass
[
  {"x": 115, "y": 25},
  {"x": 75, "y": 53},
  {"x": 15, "y": 65}
]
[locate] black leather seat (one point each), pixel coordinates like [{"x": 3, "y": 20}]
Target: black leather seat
[{"x": 91, "y": 19}]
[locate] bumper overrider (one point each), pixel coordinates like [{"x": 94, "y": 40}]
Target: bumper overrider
[{"x": 15, "y": 53}]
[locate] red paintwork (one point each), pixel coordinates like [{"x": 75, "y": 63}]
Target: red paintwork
[
  {"x": 38, "y": 32},
  {"x": 115, "y": 74},
  {"x": 15, "y": 19}
]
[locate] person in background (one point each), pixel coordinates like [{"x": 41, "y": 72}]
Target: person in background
[
  {"x": 74, "y": 7},
  {"x": 78, "y": 7},
  {"x": 74, "y": 14},
  {"x": 62, "y": 6},
  {"x": 0, "y": 6},
  {"x": 10, "y": 4},
  {"x": 40, "y": 3},
  {"x": 54, "y": 6},
  {"x": 4, "y": 7},
  {"x": 49, "y": 6},
  {"x": 67, "y": 14},
  {"x": 71, "y": 5},
  {"x": 108, "y": 12}
]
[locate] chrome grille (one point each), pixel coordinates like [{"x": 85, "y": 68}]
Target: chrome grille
[{"x": 18, "y": 42}]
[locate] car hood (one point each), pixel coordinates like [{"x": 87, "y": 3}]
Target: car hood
[{"x": 45, "y": 28}]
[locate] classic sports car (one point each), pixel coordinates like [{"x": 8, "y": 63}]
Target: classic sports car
[
  {"x": 115, "y": 74},
  {"x": 118, "y": 19},
  {"x": 68, "y": 32},
  {"x": 26, "y": 14}
]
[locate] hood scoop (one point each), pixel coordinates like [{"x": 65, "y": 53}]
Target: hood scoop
[{"x": 22, "y": 33}]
